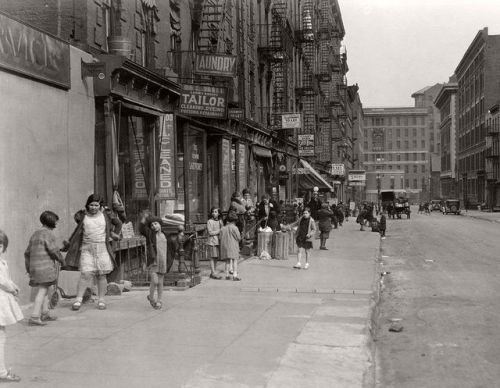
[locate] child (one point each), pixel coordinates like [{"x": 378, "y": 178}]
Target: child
[
  {"x": 40, "y": 260},
  {"x": 10, "y": 312},
  {"x": 305, "y": 233},
  {"x": 157, "y": 258},
  {"x": 382, "y": 224},
  {"x": 230, "y": 246},
  {"x": 214, "y": 225}
]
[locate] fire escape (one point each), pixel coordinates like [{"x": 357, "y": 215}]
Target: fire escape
[
  {"x": 276, "y": 48},
  {"x": 309, "y": 88}
]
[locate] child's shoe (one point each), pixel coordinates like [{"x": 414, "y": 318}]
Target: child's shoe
[
  {"x": 36, "y": 321},
  {"x": 297, "y": 266},
  {"x": 306, "y": 266},
  {"x": 46, "y": 317}
]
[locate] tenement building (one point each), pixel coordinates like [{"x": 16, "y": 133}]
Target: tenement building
[{"x": 477, "y": 75}]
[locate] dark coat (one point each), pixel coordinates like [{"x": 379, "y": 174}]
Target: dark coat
[
  {"x": 151, "y": 243},
  {"x": 382, "y": 223},
  {"x": 272, "y": 216},
  {"x": 325, "y": 220},
  {"x": 113, "y": 228},
  {"x": 314, "y": 205}
]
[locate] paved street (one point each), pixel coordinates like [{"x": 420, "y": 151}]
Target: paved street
[
  {"x": 279, "y": 327},
  {"x": 443, "y": 289}
]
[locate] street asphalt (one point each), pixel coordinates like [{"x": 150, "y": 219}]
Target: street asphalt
[{"x": 278, "y": 327}]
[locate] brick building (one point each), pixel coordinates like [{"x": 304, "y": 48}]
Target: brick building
[
  {"x": 492, "y": 154},
  {"x": 477, "y": 76},
  {"x": 446, "y": 103}
]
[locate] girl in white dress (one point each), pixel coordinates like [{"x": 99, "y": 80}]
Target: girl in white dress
[{"x": 10, "y": 312}]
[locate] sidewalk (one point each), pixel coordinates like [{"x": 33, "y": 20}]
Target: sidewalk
[
  {"x": 278, "y": 327},
  {"x": 482, "y": 215}
]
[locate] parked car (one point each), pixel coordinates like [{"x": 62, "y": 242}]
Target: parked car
[
  {"x": 435, "y": 205},
  {"x": 451, "y": 206}
]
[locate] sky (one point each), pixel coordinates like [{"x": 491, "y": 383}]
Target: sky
[{"x": 396, "y": 47}]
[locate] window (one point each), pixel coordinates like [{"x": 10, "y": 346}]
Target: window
[
  {"x": 398, "y": 132},
  {"x": 423, "y": 167},
  {"x": 407, "y": 157},
  {"x": 407, "y": 169},
  {"x": 406, "y": 144},
  {"x": 423, "y": 156},
  {"x": 406, "y": 132},
  {"x": 407, "y": 182},
  {"x": 390, "y": 157},
  {"x": 415, "y": 169},
  {"x": 423, "y": 182},
  {"x": 390, "y": 166},
  {"x": 389, "y": 132},
  {"x": 414, "y": 144},
  {"x": 423, "y": 143},
  {"x": 398, "y": 144},
  {"x": 389, "y": 145},
  {"x": 414, "y": 156},
  {"x": 366, "y": 157},
  {"x": 398, "y": 157},
  {"x": 398, "y": 167},
  {"x": 415, "y": 184},
  {"x": 414, "y": 132}
]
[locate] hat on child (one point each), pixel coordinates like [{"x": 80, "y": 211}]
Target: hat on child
[{"x": 152, "y": 219}]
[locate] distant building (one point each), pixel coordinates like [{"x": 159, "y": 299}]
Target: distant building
[
  {"x": 445, "y": 102},
  {"x": 492, "y": 152},
  {"x": 394, "y": 140},
  {"x": 477, "y": 74}
]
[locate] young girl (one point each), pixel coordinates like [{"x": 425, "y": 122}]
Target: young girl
[
  {"x": 214, "y": 225},
  {"x": 40, "y": 260},
  {"x": 156, "y": 242},
  {"x": 10, "y": 312},
  {"x": 305, "y": 233},
  {"x": 230, "y": 245}
]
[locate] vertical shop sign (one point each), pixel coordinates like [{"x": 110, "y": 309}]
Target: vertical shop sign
[
  {"x": 226, "y": 173},
  {"x": 138, "y": 160},
  {"x": 166, "y": 170},
  {"x": 242, "y": 165}
]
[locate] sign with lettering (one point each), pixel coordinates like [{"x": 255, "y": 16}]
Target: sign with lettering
[
  {"x": 337, "y": 169},
  {"x": 33, "y": 53},
  {"x": 242, "y": 165},
  {"x": 306, "y": 144},
  {"x": 215, "y": 64},
  {"x": 203, "y": 101},
  {"x": 226, "y": 173},
  {"x": 166, "y": 170},
  {"x": 236, "y": 113},
  {"x": 291, "y": 120},
  {"x": 138, "y": 160},
  {"x": 356, "y": 176}
]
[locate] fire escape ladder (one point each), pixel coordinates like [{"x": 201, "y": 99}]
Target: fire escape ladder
[{"x": 215, "y": 14}]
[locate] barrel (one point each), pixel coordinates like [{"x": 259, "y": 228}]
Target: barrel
[{"x": 120, "y": 45}]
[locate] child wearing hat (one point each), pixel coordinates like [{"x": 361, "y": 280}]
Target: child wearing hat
[{"x": 156, "y": 242}]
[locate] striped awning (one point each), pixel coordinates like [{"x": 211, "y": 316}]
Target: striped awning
[{"x": 149, "y": 3}]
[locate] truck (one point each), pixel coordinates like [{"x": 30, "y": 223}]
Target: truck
[{"x": 395, "y": 203}]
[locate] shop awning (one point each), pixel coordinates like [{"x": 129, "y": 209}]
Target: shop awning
[
  {"x": 261, "y": 152},
  {"x": 309, "y": 178}
]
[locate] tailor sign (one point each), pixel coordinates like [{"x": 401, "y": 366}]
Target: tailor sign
[
  {"x": 203, "y": 101},
  {"x": 33, "y": 53},
  {"x": 215, "y": 64}
]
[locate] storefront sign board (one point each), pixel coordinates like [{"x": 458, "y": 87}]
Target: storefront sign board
[
  {"x": 137, "y": 150},
  {"x": 291, "y": 120},
  {"x": 166, "y": 179},
  {"x": 242, "y": 165},
  {"x": 203, "y": 101},
  {"x": 306, "y": 144},
  {"x": 215, "y": 64},
  {"x": 337, "y": 169},
  {"x": 236, "y": 113},
  {"x": 30, "y": 52}
]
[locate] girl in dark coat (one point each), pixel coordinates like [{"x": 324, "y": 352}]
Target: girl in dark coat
[
  {"x": 267, "y": 212},
  {"x": 324, "y": 224}
]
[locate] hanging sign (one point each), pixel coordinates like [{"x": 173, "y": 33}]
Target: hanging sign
[
  {"x": 236, "y": 113},
  {"x": 306, "y": 144},
  {"x": 137, "y": 150},
  {"x": 337, "y": 169},
  {"x": 166, "y": 170},
  {"x": 215, "y": 64},
  {"x": 203, "y": 101},
  {"x": 226, "y": 173},
  {"x": 242, "y": 165},
  {"x": 291, "y": 120}
]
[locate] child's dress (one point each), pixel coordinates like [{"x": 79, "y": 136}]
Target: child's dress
[{"x": 10, "y": 312}]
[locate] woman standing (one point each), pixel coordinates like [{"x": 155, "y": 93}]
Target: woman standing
[
  {"x": 324, "y": 224},
  {"x": 305, "y": 233},
  {"x": 90, "y": 249}
]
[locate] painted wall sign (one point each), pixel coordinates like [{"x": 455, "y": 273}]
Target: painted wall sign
[
  {"x": 291, "y": 120},
  {"x": 204, "y": 101},
  {"x": 30, "y": 52},
  {"x": 215, "y": 64},
  {"x": 306, "y": 144},
  {"x": 242, "y": 165},
  {"x": 166, "y": 179},
  {"x": 236, "y": 113}
]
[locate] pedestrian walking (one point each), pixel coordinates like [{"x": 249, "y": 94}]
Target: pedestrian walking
[
  {"x": 214, "y": 226},
  {"x": 324, "y": 224},
  {"x": 10, "y": 312},
  {"x": 382, "y": 225},
  {"x": 361, "y": 218},
  {"x": 157, "y": 247},
  {"x": 339, "y": 213},
  {"x": 230, "y": 246},
  {"x": 89, "y": 249},
  {"x": 41, "y": 261},
  {"x": 335, "y": 221},
  {"x": 314, "y": 204},
  {"x": 305, "y": 233}
]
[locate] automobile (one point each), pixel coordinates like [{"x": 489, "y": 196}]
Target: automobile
[
  {"x": 435, "y": 205},
  {"x": 451, "y": 206}
]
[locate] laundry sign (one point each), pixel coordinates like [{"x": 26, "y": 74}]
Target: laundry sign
[{"x": 215, "y": 64}]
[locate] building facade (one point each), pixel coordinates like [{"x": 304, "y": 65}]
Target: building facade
[
  {"x": 492, "y": 154},
  {"x": 477, "y": 76},
  {"x": 395, "y": 140},
  {"x": 446, "y": 103}
]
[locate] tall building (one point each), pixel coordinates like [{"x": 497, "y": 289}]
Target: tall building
[
  {"x": 446, "y": 103},
  {"x": 492, "y": 153},
  {"x": 477, "y": 75},
  {"x": 396, "y": 144}
]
